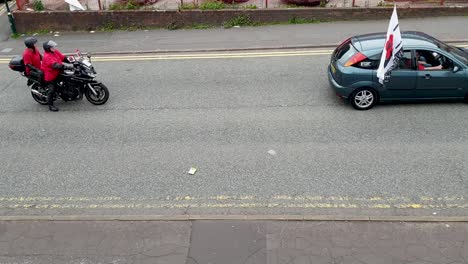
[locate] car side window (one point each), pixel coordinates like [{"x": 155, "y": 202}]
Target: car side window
[
  {"x": 431, "y": 60},
  {"x": 405, "y": 62},
  {"x": 372, "y": 62}
]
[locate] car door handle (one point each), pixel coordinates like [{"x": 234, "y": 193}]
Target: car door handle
[{"x": 427, "y": 76}]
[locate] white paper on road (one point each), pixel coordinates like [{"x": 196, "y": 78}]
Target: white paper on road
[{"x": 192, "y": 171}]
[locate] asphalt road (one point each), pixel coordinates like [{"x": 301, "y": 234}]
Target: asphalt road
[{"x": 223, "y": 116}]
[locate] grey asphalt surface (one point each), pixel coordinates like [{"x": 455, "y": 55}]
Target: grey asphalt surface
[
  {"x": 445, "y": 28},
  {"x": 233, "y": 242},
  {"x": 223, "y": 116}
]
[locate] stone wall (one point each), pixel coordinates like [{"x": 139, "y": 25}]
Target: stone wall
[{"x": 92, "y": 20}]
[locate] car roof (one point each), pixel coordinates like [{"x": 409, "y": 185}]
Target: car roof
[{"x": 410, "y": 39}]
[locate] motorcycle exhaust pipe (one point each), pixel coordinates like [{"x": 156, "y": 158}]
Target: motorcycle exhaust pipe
[{"x": 36, "y": 92}]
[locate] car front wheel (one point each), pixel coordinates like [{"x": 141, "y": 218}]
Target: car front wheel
[{"x": 363, "y": 98}]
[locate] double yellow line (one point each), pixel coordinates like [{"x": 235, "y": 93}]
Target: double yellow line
[
  {"x": 192, "y": 56},
  {"x": 224, "y": 55},
  {"x": 213, "y": 55}
]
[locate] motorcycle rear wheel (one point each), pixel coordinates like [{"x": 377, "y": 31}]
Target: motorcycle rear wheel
[{"x": 41, "y": 100}]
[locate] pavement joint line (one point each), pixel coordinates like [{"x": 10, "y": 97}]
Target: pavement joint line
[{"x": 307, "y": 218}]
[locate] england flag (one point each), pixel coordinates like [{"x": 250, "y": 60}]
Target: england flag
[{"x": 392, "y": 51}]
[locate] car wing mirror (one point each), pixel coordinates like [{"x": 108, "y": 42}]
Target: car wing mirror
[{"x": 456, "y": 69}]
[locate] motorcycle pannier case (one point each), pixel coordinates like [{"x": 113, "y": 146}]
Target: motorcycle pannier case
[{"x": 17, "y": 64}]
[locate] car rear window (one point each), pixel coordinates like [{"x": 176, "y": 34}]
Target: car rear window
[
  {"x": 344, "y": 52},
  {"x": 373, "y": 44},
  {"x": 371, "y": 62}
]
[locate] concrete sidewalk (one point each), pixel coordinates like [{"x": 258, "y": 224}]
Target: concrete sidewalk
[
  {"x": 232, "y": 242},
  {"x": 305, "y": 35}
]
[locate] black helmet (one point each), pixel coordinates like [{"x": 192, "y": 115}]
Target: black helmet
[
  {"x": 48, "y": 45},
  {"x": 30, "y": 41}
]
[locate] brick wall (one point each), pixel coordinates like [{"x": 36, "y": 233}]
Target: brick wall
[{"x": 91, "y": 20}]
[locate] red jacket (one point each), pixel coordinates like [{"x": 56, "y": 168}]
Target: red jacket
[
  {"x": 33, "y": 58},
  {"x": 50, "y": 58}
]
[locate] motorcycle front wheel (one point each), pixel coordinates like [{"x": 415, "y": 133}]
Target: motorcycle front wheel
[{"x": 101, "y": 97}]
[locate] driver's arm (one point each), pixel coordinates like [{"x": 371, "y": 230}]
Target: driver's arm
[{"x": 438, "y": 67}]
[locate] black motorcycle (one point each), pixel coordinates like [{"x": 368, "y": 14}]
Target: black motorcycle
[{"x": 72, "y": 84}]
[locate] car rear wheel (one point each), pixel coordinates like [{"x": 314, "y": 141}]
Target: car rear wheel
[{"x": 363, "y": 98}]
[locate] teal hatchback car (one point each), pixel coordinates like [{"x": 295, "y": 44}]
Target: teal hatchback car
[{"x": 429, "y": 69}]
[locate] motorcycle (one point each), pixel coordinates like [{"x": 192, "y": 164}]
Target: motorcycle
[{"x": 74, "y": 82}]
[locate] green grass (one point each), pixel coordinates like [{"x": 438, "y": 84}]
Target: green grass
[
  {"x": 199, "y": 26},
  {"x": 292, "y": 6},
  {"x": 188, "y": 6},
  {"x": 298, "y": 20},
  {"x": 131, "y": 5},
  {"x": 115, "y": 7},
  {"x": 107, "y": 27},
  {"x": 172, "y": 26},
  {"x": 250, "y": 7},
  {"x": 241, "y": 20},
  {"x": 39, "y": 32},
  {"x": 212, "y": 5},
  {"x": 15, "y": 36},
  {"x": 38, "y": 5}
]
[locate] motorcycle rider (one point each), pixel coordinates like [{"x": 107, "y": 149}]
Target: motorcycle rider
[
  {"x": 31, "y": 57},
  {"x": 52, "y": 66}
]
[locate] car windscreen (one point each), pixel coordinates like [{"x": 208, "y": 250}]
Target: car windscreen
[{"x": 456, "y": 52}]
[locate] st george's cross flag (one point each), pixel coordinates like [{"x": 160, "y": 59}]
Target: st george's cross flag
[{"x": 392, "y": 51}]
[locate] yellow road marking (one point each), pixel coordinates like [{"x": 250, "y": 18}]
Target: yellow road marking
[
  {"x": 231, "y": 205},
  {"x": 202, "y": 56},
  {"x": 226, "y": 197},
  {"x": 191, "y": 56},
  {"x": 223, "y": 201},
  {"x": 218, "y": 54}
]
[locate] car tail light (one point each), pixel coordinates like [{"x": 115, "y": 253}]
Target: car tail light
[{"x": 356, "y": 58}]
